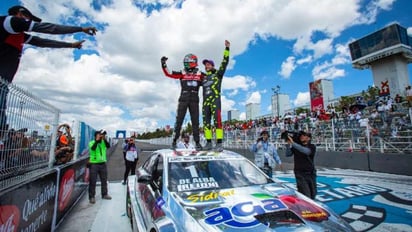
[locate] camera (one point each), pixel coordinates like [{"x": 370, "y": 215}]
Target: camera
[{"x": 295, "y": 136}]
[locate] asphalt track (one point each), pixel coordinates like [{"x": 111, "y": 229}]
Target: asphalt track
[{"x": 369, "y": 201}]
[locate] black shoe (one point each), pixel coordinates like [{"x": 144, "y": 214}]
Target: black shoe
[
  {"x": 124, "y": 183},
  {"x": 92, "y": 200},
  {"x": 198, "y": 146}
]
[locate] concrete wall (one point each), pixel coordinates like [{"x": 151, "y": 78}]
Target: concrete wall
[{"x": 366, "y": 161}]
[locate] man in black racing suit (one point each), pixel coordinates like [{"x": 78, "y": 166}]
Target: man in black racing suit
[
  {"x": 190, "y": 81},
  {"x": 212, "y": 83}
]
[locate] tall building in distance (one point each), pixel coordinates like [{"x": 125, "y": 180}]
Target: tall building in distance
[
  {"x": 321, "y": 94},
  {"x": 233, "y": 115},
  {"x": 252, "y": 110},
  {"x": 280, "y": 104}
]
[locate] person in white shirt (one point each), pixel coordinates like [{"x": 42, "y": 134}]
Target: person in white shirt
[{"x": 185, "y": 143}]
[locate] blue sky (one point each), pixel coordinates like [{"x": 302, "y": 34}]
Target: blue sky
[{"x": 116, "y": 82}]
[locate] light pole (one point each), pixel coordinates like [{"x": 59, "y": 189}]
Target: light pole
[{"x": 276, "y": 92}]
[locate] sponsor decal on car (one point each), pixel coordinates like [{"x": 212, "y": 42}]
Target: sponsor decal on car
[
  {"x": 209, "y": 196},
  {"x": 197, "y": 183},
  {"x": 241, "y": 215}
]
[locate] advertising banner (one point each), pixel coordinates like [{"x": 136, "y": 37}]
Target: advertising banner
[
  {"x": 29, "y": 206},
  {"x": 74, "y": 179},
  {"x": 316, "y": 96}
]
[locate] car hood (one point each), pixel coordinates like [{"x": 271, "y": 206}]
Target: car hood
[{"x": 267, "y": 207}]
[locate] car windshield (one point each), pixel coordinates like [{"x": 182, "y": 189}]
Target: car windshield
[{"x": 189, "y": 175}]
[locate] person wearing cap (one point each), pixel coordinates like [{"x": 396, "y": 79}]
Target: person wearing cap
[
  {"x": 97, "y": 161},
  {"x": 13, "y": 35},
  {"x": 303, "y": 152},
  {"x": 266, "y": 155},
  {"x": 211, "y": 106},
  {"x": 190, "y": 82},
  {"x": 185, "y": 143}
]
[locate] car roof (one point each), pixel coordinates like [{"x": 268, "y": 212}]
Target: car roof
[{"x": 193, "y": 155}]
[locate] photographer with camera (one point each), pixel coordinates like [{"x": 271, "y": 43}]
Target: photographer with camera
[
  {"x": 266, "y": 155},
  {"x": 303, "y": 152}
]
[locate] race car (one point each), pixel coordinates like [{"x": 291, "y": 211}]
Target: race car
[{"x": 189, "y": 190}]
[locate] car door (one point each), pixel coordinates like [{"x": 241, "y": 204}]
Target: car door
[{"x": 149, "y": 185}]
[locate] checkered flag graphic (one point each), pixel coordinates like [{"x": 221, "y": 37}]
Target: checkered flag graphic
[{"x": 364, "y": 218}]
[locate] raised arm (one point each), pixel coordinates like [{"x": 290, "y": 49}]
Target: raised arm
[
  {"x": 174, "y": 75},
  {"x": 50, "y": 28},
  {"x": 222, "y": 69},
  {"x": 41, "y": 42}
]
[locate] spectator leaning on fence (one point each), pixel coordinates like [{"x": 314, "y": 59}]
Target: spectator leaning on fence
[{"x": 12, "y": 37}]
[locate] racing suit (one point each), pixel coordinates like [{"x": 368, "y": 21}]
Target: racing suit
[
  {"x": 212, "y": 83},
  {"x": 12, "y": 39},
  {"x": 190, "y": 81}
]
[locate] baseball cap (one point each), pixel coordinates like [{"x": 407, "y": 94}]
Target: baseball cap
[
  {"x": 16, "y": 9},
  {"x": 208, "y": 61},
  {"x": 103, "y": 131}
]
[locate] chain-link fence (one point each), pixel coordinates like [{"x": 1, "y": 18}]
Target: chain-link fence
[{"x": 27, "y": 124}]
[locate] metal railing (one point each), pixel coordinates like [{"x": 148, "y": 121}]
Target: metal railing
[
  {"x": 332, "y": 135},
  {"x": 26, "y": 133}
]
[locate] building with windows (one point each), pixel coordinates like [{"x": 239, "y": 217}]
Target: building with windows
[
  {"x": 252, "y": 110},
  {"x": 233, "y": 115},
  {"x": 280, "y": 104}
]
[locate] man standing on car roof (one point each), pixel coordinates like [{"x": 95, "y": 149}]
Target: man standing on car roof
[
  {"x": 212, "y": 84},
  {"x": 190, "y": 81}
]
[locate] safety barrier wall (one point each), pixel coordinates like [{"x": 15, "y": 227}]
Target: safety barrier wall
[
  {"x": 365, "y": 161},
  {"x": 36, "y": 194},
  {"x": 394, "y": 163},
  {"x": 41, "y": 202}
]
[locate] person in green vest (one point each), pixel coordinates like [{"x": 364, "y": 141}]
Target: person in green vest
[{"x": 97, "y": 162}]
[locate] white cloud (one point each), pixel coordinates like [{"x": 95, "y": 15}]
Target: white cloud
[
  {"x": 302, "y": 99},
  {"x": 254, "y": 97},
  {"x": 287, "y": 67},
  {"x": 125, "y": 82}
]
